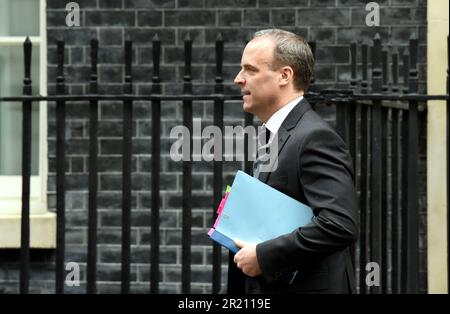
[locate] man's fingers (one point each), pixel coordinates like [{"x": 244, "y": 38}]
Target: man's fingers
[{"x": 239, "y": 243}]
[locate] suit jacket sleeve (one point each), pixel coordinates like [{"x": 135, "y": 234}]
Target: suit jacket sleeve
[{"x": 325, "y": 175}]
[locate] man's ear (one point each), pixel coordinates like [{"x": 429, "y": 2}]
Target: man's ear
[{"x": 286, "y": 75}]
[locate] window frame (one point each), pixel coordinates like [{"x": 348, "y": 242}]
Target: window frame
[{"x": 11, "y": 186}]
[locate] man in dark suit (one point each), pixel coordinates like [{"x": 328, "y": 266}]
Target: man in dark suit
[{"x": 313, "y": 166}]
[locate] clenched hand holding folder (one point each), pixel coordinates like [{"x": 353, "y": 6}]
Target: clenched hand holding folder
[{"x": 255, "y": 212}]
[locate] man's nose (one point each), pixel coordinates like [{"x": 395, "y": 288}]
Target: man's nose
[{"x": 239, "y": 80}]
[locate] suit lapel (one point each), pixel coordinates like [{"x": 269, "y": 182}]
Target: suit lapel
[{"x": 284, "y": 134}]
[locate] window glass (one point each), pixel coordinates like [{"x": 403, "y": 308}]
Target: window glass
[
  {"x": 11, "y": 83},
  {"x": 19, "y": 17}
]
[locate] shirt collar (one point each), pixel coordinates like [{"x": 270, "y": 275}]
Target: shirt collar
[{"x": 275, "y": 121}]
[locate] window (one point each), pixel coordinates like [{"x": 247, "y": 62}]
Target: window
[{"x": 18, "y": 19}]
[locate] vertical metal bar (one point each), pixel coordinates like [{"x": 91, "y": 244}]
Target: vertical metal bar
[
  {"x": 404, "y": 175},
  {"x": 60, "y": 171},
  {"x": 341, "y": 114},
  {"x": 355, "y": 111},
  {"x": 218, "y": 171},
  {"x": 353, "y": 65},
  {"x": 92, "y": 215},
  {"x": 405, "y": 71},
  {"x": 156, "y": 167},
  {"x": 385, "y": 86},
  {"x": 404, "y": 202},
  {"x": 364, "y": 200},
  {"x": 376, "y": 164},
  {"x": 385, "y": 115},
  {"x": 26, "y": 172},
  {"x": 396, "y": 185},
  {"x": 126, "y": 171},
  {"x": 342, "y": 120},
  {"x": 384, "y": 200},
  {"x": 413, "y": 189},
  {"x": 354, "y": 132},
  {"x": 395, "y": 87},
  {"x": 312, "y": 45},
  {"x": 187, "y": 173},
  {"x": 364, "y": 57}
]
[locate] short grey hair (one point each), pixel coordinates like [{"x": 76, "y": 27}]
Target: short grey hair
[{"x": 291, "y": 50}]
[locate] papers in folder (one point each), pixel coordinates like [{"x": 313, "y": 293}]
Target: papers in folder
[{"x": 255, "y": 212}]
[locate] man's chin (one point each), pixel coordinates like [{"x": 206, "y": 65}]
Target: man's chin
[{"x": 247, "y": 107}]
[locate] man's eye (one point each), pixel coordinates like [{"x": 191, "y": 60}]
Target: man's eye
[{"x": 249, "y": 69}]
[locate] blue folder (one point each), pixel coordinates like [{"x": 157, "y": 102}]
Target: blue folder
[{"x": 256, "y": 212}]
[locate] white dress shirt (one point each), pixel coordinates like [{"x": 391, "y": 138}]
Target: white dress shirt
[{"x": 275, "y": 121}]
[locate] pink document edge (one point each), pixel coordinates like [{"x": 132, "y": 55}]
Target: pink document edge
[
  {"x": 217, "y": 221},
  {"x": 219, "y": 209},
  {"x": 222, "y": 203}
]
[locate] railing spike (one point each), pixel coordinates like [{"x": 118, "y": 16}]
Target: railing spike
[{"x": 187, "y": 37}]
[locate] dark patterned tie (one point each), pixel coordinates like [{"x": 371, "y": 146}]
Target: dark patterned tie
[{"x": 263, "y": 151}]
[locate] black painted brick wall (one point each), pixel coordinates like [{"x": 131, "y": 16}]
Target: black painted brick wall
[{"x": 332, "y": 23}]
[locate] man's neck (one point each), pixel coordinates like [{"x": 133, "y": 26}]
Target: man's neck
[{"x": 280, "y": 104}]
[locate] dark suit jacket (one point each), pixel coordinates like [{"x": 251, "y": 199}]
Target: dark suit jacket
[{"x": 315, "y": 168}]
